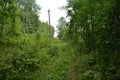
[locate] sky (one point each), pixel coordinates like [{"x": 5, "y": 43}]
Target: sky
[{"x": 55, "y": 11}]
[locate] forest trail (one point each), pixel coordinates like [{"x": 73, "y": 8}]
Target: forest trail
[
  {"x": 73, "y": 70},
  {"x": 73, "y": 73}
]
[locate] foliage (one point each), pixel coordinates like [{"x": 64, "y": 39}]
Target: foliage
[
  {"x": 87, "y": 47},
  {"x": 19, "y": 50},
  {"x": 62, "y": 28},
  {"x": 93, "y": 21}
]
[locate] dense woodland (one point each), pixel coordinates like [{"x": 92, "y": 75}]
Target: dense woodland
[{"x": 87, "y": 47}]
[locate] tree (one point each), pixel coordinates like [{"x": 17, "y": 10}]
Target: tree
[
  {"x": 15, "y": 49},
  {"x": 93, "y": 21},
  {"x": 29, "y": 15},
  {"x": 62, "y": 27}
]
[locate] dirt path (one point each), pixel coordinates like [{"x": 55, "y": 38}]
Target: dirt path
[{"x": 74, "y": 72}]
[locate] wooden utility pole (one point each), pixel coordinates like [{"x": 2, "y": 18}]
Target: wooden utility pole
[
  {"x": 49, "y": 33},
  {"x": 49, "y": 22}
]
